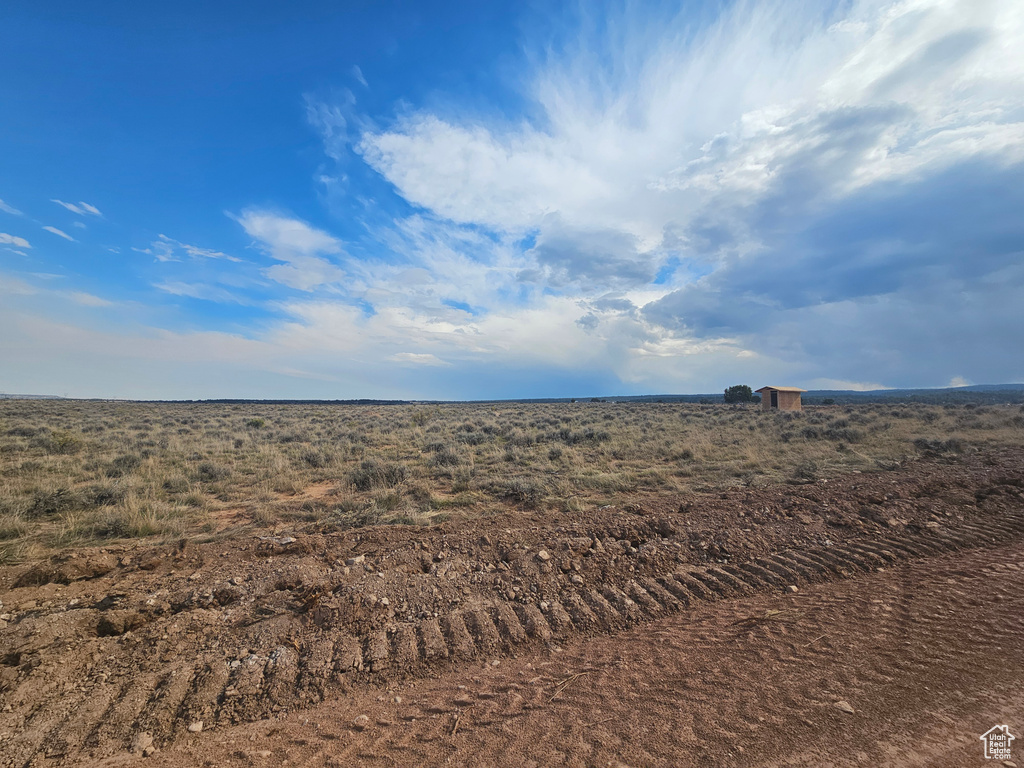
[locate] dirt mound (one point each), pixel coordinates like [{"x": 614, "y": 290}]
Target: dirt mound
[{"x": 235, "y": 631}]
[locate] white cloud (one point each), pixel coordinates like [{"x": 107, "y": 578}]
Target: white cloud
[
  {"x": 418, "y": 358},
  {"x": 60, "y": 233},
  {"x": 19, "y": 242},
  {"x": 679, "y": 208},
  {"x": 15, "y": 287},
  {"x": 301, "y": 248},
  {"x": 852, "y": 386},
  {"x": 9, "y": 209},
  {"x": 203, "y": 291},
  {"x": 636, "y": 130},
  {"x": 958, "y": 381},
  {"x": 82, "y": 209},
  {"x": 88, "y": 299},
  {"x": 166, "y": 248}
]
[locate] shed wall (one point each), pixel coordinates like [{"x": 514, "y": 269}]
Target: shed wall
[{"x": 790, "y": 401}]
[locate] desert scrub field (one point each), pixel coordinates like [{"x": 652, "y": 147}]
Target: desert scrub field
[{"x": 79, "y": 472}]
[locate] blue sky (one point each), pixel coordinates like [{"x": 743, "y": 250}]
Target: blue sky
[{"x": 483, "y": 200}]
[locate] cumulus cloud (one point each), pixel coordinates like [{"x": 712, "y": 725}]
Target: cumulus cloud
[
  {"x": 794, "y": 162},
  {"x": 82, "y": 209},
  {"x": 779, "y": 193},
  {"x": 18, "y": 242},
  {"x": 60, "y": 233}
]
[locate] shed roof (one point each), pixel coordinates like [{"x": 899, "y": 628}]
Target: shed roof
[{"x": 780, "y": 389}]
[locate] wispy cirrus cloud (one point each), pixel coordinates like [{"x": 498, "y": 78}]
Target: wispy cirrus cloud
[
  {"x": 88, "y": 299},
  {"x": 10, "y": 209},
  {"x": 166, "y": 248},
  {"x": 203, "y": 291},
  {"x": 59, "y": 233},
  {"x": 82, "y": 209}
]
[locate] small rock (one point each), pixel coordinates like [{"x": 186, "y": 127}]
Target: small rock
[
  {"x": 196, "y": 727},
  {"x": 356, "y": 560},
  {"x": 1009, "y": 764},
  {"x": 195, "y": 576},
  {"x": 792, "y": 588},
  {"x": 263, "y": 753},
  {"x": 149, "y": 751},
  {"x": 361, "y": 722},
  {"x": 543, "y": 556},
  {"x": 576, "y": 579},
  {"x": 398, "y": 699},
  {"x": 843, "y": 706},
  {"x": 141, "y": 741},
  {"x": 385, "y": 602}
]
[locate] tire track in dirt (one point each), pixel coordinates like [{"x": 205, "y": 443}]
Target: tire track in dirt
[
  {"x": 713, "y": 688},
  {"x": 310, "y": 663}
]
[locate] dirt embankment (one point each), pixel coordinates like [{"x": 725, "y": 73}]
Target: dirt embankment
[{"x": 122, "y": 649}]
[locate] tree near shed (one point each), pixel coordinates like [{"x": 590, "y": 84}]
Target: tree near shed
[{"x": 741, "y": 393}]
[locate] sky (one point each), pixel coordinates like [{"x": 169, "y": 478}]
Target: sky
[{"x": 478, "y": 200}]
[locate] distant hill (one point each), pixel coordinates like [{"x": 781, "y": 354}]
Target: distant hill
[
  {"x": 976, "y": 393},
  {"x": 30, "y": 397}
]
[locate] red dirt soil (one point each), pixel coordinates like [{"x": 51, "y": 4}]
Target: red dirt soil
[
  {"x": 929, "y": 655},
  {"x": 666, "y": 632}
]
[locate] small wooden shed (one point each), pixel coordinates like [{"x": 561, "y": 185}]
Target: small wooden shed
[{"x": 780, "y": 398}]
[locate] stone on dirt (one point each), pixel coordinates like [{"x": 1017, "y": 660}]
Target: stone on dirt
[
  {"x": 196, "y": 727},
  {"x": 357, "y": 560},
  {"x": 843, "y": 706},
  {"x": 141, "y": 741},
  {"x": 361, "y": 722}
]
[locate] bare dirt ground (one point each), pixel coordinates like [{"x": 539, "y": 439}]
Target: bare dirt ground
[{"x": 661, "y": 633}]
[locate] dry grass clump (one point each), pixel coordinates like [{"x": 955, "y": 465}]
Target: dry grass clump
[{"x": 74, "y": 472}]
